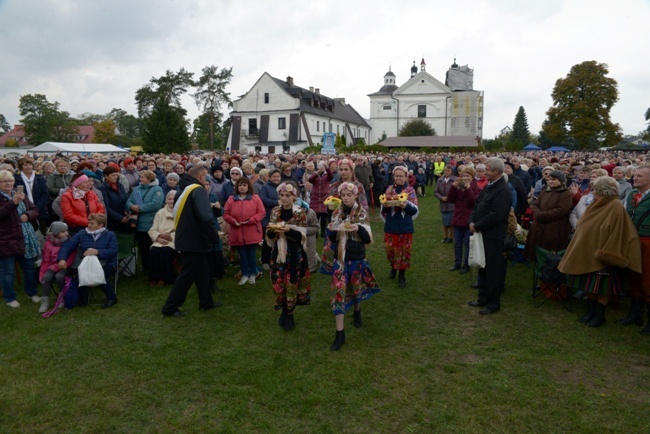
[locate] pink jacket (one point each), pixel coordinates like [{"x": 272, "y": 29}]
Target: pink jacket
[
  {"x": 50, "y": 252},
  {"x": 239, "y": 210}
]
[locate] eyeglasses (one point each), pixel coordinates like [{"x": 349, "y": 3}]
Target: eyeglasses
[{"x": 6, "y": 181}]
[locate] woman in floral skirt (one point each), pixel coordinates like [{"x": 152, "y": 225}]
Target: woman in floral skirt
[
  {"x": 286, "y": 233},
  {"x": 352, "y": 279},
  {"x": 398, "y": 224}
]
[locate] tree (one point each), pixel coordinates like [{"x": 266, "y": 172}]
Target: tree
[
  {"x": 211, "y": 95},
  {"x": 44, "y": 122},
  {"x": 165, "y": 129},
  {"x": 647, "y": 119},
  {"x": 416, "y": 127},
  {"x": 127, "y": 125},
  {"x": 520, "y": 132},
  {"x": 4, "y": 125},
  {"x": 169, "y": 87},
  {"x": 104, "y": 131},
  {"x": 581, "y": 107}
]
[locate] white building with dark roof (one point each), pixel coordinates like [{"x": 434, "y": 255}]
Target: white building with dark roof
[
  {"x": 277, "y": 116},
  {"x": 452, "y": 108}
]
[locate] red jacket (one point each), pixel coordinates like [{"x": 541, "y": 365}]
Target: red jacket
[
  {"x": 320, "y": 190},
  {"x": 74, "y": 210},
  {"x": 464, "y": 202},
  {"x": 239, "y": 210}
]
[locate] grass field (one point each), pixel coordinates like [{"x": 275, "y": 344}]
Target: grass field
[{"x": 423, "y": 362}]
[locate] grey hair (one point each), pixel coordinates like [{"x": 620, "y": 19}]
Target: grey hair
[
  {"x": 605, "y": 186},
  {"x": 494, "y": 163},
  {"x": 6, "y": 175}
]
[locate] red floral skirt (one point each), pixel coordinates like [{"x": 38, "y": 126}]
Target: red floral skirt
[{"x": 398, "y": 250}]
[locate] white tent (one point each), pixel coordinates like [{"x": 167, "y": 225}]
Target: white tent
[{"x": 54, "y": 147}]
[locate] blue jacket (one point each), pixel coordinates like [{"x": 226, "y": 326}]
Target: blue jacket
[
  {"x": 114, "y": 202},
  {"x": 226, "y": 191},
  {"x": 270, "y": 199},
  {"x": 106, "y": 245},
  {"x": 397, "y": 220},
  {"x": 152, "y": 201}
]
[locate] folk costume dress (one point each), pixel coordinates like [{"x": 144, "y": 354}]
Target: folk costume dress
[
  {"x": 398, "y": 227},
  {"x": 352, "y": 278},
  {"x": 289, "y": 267},
  {"x": 329, "y": 249}
]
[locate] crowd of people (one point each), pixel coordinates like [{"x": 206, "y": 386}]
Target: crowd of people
[{"x": 192, "y": 215}]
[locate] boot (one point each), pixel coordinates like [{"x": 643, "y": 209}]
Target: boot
[
  {"x": 590, "y": 312},
  {"x": 646, "y": 329},
  {"x": 283, "y": 317},
  {"x": 636, "y": 313},
  {"x": 289, "y": 323},
  {"x": 339, "y": 340},
  {"x": 357, "y": 319},
  {"x": 45, "y": 304},
  {"x": 402, "y": 278},
  {"x": 599, "y": 315},
  {"x": 393, "y": 273}
]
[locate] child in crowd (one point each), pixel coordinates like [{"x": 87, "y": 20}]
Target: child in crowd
[{"x": 50, "y": 270}]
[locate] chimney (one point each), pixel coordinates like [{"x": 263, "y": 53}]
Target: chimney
[
  {"x": 290, "y": 81},
  {"x": 317, "y": 90},
  {"x": 340, "y": 100},
  {"x": 311, "y": 89}
]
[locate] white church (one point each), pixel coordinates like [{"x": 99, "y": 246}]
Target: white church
[{"x": 452, "y": 108}]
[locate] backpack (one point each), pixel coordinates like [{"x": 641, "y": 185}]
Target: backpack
[{"x": 549, "y": 272}]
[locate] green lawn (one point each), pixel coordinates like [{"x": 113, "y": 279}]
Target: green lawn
[{"x": 423, "y": 362}]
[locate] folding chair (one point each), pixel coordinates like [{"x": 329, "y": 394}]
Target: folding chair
[
  {"x": 553, "y": 283},
  {"x": 127, "y": 256},
  {"x": 518, "y": 256}
]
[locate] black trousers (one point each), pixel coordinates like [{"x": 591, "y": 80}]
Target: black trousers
[
  {"x": 195, "y": 268},
  {"x": 144, "y": 245},
  {"x": 493, "y": 275}
]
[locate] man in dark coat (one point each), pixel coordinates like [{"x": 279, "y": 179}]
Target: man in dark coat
[
  {"x": 196, "y": 236},
  {"x": 490, "y": 218}
]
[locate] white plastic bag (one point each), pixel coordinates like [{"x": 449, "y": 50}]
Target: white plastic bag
[
  {"x": 91, "y": 272},
  {"x": 476, "y": 251}
]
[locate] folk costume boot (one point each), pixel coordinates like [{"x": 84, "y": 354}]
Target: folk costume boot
[
  {"x": 283, "y": 317},
  {"x": 289, "y": 323},
  {"x": 590, "y": 312},
  {"x": 402, "y": 278},
  {"x": 646, "y": 329},
  {"x": 339, "y": 340},
  {"x": 357, "y": 319},
  {"x": 393, "y": 273},
  {"x": 599, "y": 315},
  {"x": 636, "y": 313}
]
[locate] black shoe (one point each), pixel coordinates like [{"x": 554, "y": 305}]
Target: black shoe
[
  {"x": 339, "y": 340},
  {"x": 599, "y": 315},
  {"x": 283, "y": 317},
  {"x": 450, "y": 240},
  {"x": 455, "y": 267},
  {"x": 636, "y": 313},
  {"x": 475, "y": 286},
  {"x": 393, "y": 273},
  {"x": 589, "y": 314},
  {"x": 464, "y": 270},
  {"x": 357, "y": 319},
  {"x": 289, "y": 323},
  {"x": 444, "y": 240},
  {"x": 177, "y": 314},
  {"x": 476, "y": 303},
  {"x": 215, "y": 304},
  {"x": 487, "y": 311},
  {"x": 109, "y": 303},
  {"x": 402, "y": 281}
]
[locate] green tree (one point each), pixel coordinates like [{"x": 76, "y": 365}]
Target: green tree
[
  {"x": 211, "y": 95},
  {"x": 4, "y": 125},
  {"x": 647, "y": 119},
  {"x": 581, "y": 107},
  {"x": 170, "y": 87},
  {"x": 520, "y": 132},
  {"x": 104, "y": 131},
  {"x": 44, "y": 122},
  {"x": 127, "y": 125},
  {"x": 165, "y": 129},
  {"x": 416, "y": 127}
]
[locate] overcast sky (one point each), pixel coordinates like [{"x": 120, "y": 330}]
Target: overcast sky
[{"x": 93, "y": 55}]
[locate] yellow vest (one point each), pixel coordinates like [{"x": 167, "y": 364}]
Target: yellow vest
[{"x": 438, "y": 168}]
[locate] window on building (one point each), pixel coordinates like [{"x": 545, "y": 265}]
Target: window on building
[
  {"x": 323, "y": 126},
  {"x": 337, "y": 129},
  {"x": 252, "y": 127},
  {"x": 282, "y": 123},
  {"x": 317, "y": 126},
  {"x": 386, "y": 107},
  {"x": 266, "y": 98},
  {"x": 422, "y": 111}
]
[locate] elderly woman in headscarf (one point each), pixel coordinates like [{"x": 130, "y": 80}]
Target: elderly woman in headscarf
[
  {"x": 18, "y": 241},
  {"x": 78, "y": 202},
  {"x": 287, "y": 235},
  {"x": 550, "y": 229},
  {"x": 398, "y": 224},
  {"x": 352, "y": 280},
  {"x": 603, "y": 250}
]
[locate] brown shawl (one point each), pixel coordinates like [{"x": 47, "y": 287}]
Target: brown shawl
[{"x": 605, "y": 236}]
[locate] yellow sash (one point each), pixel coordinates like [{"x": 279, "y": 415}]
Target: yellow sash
[{"x": 180, "y": 203}]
